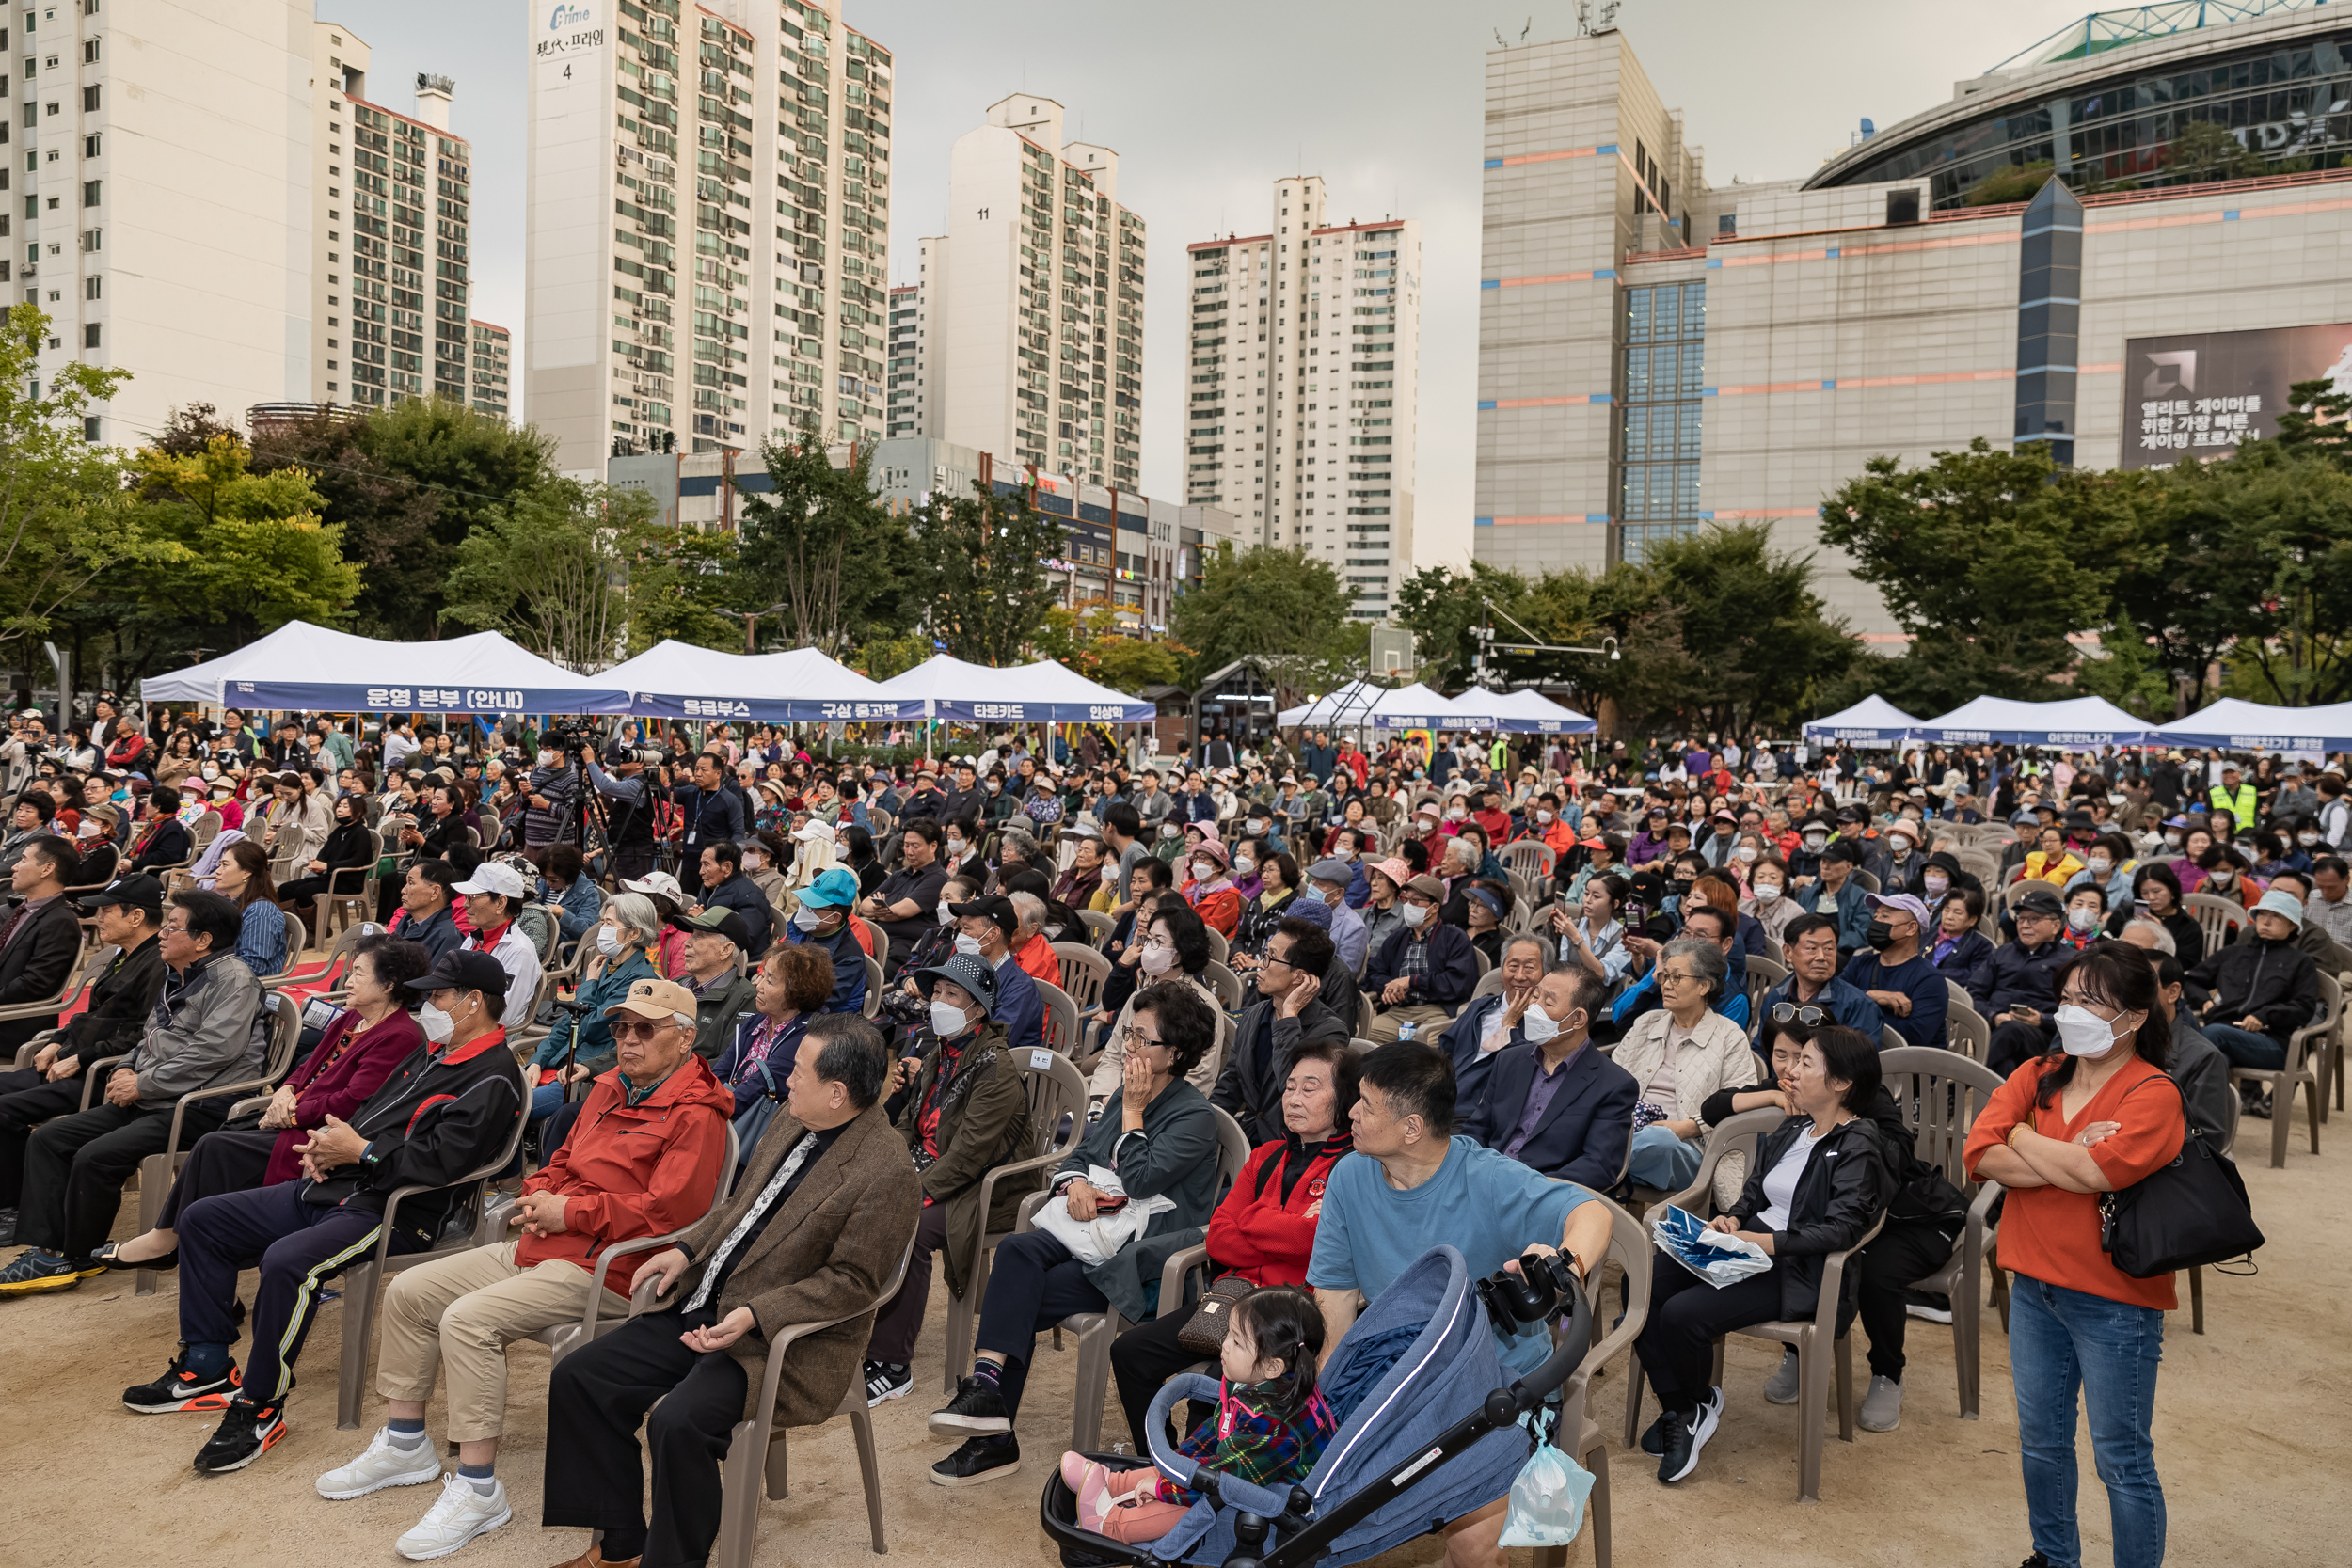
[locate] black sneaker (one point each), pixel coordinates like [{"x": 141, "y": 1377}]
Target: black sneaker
[
  {"x": 1928, "y": 1307},
  {"x": 1687, "y": 1433},
  {"x": 1654, "y": 1440},
  {"x": 246, "y": 1432},
  {"x": 181, "y": 1389},
  {"x": 978, "y": 1410},
  {"x": 39, "y": 1271},
  {"x": 886, "y": 1380},
  {"x": 980, "y": 1459}
]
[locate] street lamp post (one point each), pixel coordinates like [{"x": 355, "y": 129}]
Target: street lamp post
[{"x": 750, "y": 621}]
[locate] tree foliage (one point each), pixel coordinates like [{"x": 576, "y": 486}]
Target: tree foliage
[
  {"x": 1088, "y": 639},
  {"x": 821, "y": 545},
  {"x": 1285, "y": 609},
  {"x": 246, "y": 552},
  {"x": 552, "y": 571},
  {"x": 977, "y": 582}
]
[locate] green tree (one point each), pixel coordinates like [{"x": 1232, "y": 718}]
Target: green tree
[
  {"x": 387, "y": 516},
  {"x": 2016, "y": 182},
  {"x": 821, "y": 543},
  {"x": 681, "y": 582},
  {"x": 1089, "y": 640},
  {"x": 1443, "y": 610},
  {"x": 66, "y": 515},
  {"x": 1761, "y": 642},
  {"x": 2130, "y": 673},
  {"x": 979, "y": 584},
  {"x": 552, "y": 571},
  {"x": 1285, "y": 609},
  {"x": 2317, "y": 418},
  {"x": 1988, "y": 559},
  {"x": 249, "y": 552}
]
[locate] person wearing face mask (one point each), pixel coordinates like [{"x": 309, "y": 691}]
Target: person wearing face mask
[
  {"x": 1840, "y": 897},
  {"x": 1545, "y": 824},
  {"x": 1204, "y": 884},
  {"x": 1423, "y": 975},
  {"x": 1277, "y": 885},
  {"x": 2249, "y": 996},
  {"x": 2061, "y": 1133},
  {"x": 1894, "y": 973},
  {"x": 1904, "y": 863},
  {"x": 2015, "y": 988},
  {"x": 623, "y": 934},
  {"x": 1328, "y": 881},
  {"x": 824, "y": 920},
  {"x": 1805, "y": 861},
  {"x": 1286, "y": 1011},
  {"x": 2085, "y": 915},
  {"x": 1174, "y": 948},
  {"x": 347, "y": 850},
  {"x": 986, "y": 929},
  {"x": 445, "y": 1113}
]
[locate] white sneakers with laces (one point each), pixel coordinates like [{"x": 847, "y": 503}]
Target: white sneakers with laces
[
  {"x": 459, "y": 1514},
  {"x": 385, "y": 1463}
]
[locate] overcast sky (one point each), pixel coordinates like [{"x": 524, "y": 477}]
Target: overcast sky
[{"x": 1208, "y": 103}]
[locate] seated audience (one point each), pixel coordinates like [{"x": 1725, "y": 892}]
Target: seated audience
[
  {"x": 2015, "y": 988},
  {"x": 811, "y": 1234},
  {"x": 1552, "y": 1101},
  {"x": 494, "y": 896},
  {"x": 1893, "y": 972},
  {"x": 1678, "y": 1057},
  {"x": 40, "y": 938},
  {"x": 2249, "y": 997},
  {"x": 1959, "y": 947},
  {"x": 1286, "y": 1011},
  {"x": 243, "y": 879},
  {"x": 1174, "y": 949},
  {"x": 1487, "y": 1023},
  {"x": 822, "y": 920},
  {"x": 577, "y": 1048},
  {"x": 722, "y": 987},
  {"x": 119, "y": 1000},
  {"x": 788, "y": 992},
  {"x": 2194, "y": 1062},
  {"x": 1810, "y": 942},
  {"x": 1422, "y": 974}
]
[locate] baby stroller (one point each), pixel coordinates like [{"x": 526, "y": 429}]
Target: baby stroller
[{"x": 1427, "y": 1431}]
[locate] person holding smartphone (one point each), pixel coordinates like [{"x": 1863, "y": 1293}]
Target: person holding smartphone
[{"x": 2015, "y": 988}]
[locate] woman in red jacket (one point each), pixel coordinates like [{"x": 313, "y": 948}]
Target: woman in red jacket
[
  {"x": 1264, "y": 1231},
  {"x": 362, "y": 1047}
]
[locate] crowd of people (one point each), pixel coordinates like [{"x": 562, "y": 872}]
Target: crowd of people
[{"x": 1510, "y": 978}]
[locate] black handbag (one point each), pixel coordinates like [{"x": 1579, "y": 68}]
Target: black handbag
[
  {"x": 2190, "y": 1214},
  {"x": 1203, "y": 1333}
]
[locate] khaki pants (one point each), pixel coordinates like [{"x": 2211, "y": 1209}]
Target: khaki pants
[
  {"x": 467, "y": 1310},
  {"x": 1432, "y": 1021}
]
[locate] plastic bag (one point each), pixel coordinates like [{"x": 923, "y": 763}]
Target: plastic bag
[
  {"x": 1095, "y": 1242},
  {"x": 1715, "y": 1256},
  {"x": 1547, "y": 1497}
]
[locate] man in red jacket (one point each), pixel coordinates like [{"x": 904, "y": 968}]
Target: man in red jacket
[{"x": 643, "y": 1158}]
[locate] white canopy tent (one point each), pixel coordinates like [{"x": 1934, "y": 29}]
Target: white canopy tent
[
  {"x": 1872, "y": 721},
  {"x": 1523, "y": 710},
  {"x": 2237, "y": 725},
  {"x": 303, "y": 666},
  {"x": 2073, "y": 721},
  {"x": 677, "y": 680},
  {"x": 1360, "y": 703},
  {"x": 1046, "y": 692}
]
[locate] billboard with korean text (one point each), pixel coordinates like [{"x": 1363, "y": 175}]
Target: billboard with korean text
[{"x": 2198, "y": 395}]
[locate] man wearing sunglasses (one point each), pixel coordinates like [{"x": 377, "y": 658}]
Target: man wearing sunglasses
[{"x": 1813, "y": 987}]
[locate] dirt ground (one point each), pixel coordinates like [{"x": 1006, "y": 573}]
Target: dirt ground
[{"x": 2250, "y": 1424}]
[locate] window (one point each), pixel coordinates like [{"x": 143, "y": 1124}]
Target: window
[
  {"x": 91, "y": 421},
  {"x": 93, "y": 288},
  {"x": 89, "y": 334},
  {"x": 89, "y": 101},
  {"x": 90, "y": 147},
  {"x": 91, "y": 192},
  {"x": 89, "y": 51}
]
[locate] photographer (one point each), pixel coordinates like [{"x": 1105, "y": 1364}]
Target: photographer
[
  {"x": 550, "y": 797},
  {"x": 634, "y": 785}
]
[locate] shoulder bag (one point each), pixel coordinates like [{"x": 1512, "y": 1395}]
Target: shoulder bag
[
  {"x": 1203, "y": 1333},
  {"x": 2189, "y": 1213}
]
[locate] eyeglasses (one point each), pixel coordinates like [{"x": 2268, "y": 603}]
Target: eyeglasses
[
  {"x": 1134, "y": 1039},
  {"x": 1789, "y": 1012},
  {"x": 624, "y": 1031},
  {"x": 1670, "y": 977}
]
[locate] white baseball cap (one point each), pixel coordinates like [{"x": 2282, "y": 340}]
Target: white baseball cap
[{"x": 492, "y": 877}]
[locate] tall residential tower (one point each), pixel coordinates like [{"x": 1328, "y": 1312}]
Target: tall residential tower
[
  {"x": 1301, "y": 408},
  {"x": 708, "y": 231},
  {"x": 1029, "y": 311}
]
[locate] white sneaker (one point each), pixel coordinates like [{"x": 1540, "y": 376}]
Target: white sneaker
[
  {"x": 383, "y": 1465},
  {"x": 459, "y": 1516}
]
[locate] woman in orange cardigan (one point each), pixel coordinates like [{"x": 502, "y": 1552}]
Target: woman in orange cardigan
[{"x": 1209, "y": 890}]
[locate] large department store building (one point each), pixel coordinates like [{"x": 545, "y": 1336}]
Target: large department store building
[{"x": 1657, "y": 353}]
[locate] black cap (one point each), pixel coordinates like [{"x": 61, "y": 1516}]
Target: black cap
[
  {"x": 139, "y": 891},
  {"x": 727, "y": 922},
  {"x": 1841, "y": 849},
  {"x": 1852, "y": 813},
  {"x": 2037, "y": 900},
  {"x": 465, "y": 968},
  {"x": 996, "y": 908},
  {"x": 971, "y": 973}
]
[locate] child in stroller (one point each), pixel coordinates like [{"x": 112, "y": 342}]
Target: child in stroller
[{"x": 1270, "y": 1427}]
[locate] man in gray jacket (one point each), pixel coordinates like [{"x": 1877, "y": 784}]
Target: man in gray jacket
[
  {"x": 1286, "y": 1014},
  {"x": 63, "y": 1168}
]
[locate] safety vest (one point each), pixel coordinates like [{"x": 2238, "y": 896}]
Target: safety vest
[{"x": 2242, "y": 808}]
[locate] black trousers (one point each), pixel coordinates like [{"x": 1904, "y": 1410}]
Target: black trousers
[
  {"x": 2014, "y": 1044},
  {"x": 1905, "y": 1250},
  {"x": 1146, "y": 1356},
  {"x": 596, "y": 1400},
  {"x": 70, "y": 1171},
  {"x": 228, "y": 1161},
  {"x": 632, "y": 861},
  {"x": 1685, "y": 1314},
  {"x": 901, "y": 1320}
]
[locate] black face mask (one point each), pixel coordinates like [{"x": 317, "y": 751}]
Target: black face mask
[{"x": 1880, "y": 936}]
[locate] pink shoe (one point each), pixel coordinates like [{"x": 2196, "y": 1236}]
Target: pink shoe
[
  {"x": 1095, "y": 1502},
  {"x": 1073, "y": 1470}
]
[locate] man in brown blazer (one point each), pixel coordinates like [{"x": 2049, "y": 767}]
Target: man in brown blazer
[{"x": 813, "y": 1233}]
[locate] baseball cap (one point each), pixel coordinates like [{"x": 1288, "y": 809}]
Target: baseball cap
[
  {"x": 657, "y": 882},
  {"x": 465, "y": 968},
  {"x": 833, "y": 888},
  {"x": 726, "y": 922},
  {"x": 1428, "y": 886},
  {"x": 139, "y": 891},
  {"x": 1335, "y": 871},
  {"x": 2039, "y": 900},
  {"x": 971, "y": 973},
  {"x": 996, "y": 907},
  {"x": 656, "y": 999},
  {"x": 494, "y": 876},
  {"x": 1910, "y": 906}
]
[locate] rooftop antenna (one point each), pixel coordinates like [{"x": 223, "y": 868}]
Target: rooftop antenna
[{"x": 1503, "y": 42}]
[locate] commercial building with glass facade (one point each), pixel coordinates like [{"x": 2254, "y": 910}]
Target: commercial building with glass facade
[{"x": 1656, "y": 353}]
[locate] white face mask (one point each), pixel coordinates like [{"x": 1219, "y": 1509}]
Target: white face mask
[
  {"x": 1536, "y": 1025},
  {"x": 941, "y": 910},
  {"x": 608, "y": 941},
  {"x": 1767, "y": 892},
  {"x": 1257, "y": 825},
  {"x": 955, "y": 846},
  {"x": 2081, "y": 921},
  {"x": 1204, "y": 871},
  {"x": 1158, "y": 959},
  {"x": 1242, "y": 866},
  {"x": 2307, "y": 840},
  {"x": 1457, "y": 813},
  {"x": 2220, "y": 876},
  {"x": 2100, "y": 865},
  {"x": 948, "y": 1023},
  {"x": 967, "y": 944},
  {"x": 1169, "y": 829},
  {"x": 1745, "y": 854},
  {"x": 2172, "y": 840},
  {"x": 808, "y": 919},
  {"x": 2082, "y": 1032},
  {"x": 1414, "y": 913},
  {"x": 1814, "y": 841},
  {"x": 438, "y": 1025},
  {"x": 1543, "y": 816}
]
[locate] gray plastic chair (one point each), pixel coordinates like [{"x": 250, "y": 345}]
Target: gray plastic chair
[
  {"x": 1084, "y": 974},
  {"x": 1940, "y": 1093}
]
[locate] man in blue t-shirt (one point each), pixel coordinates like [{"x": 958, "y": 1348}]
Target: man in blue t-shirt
[
  {"x": 1411, "y": 1186},
  {"x": 1911, "y": 991}
]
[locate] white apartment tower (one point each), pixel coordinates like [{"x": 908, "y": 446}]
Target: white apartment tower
[
  {"x": 1029, "y": 312},
  {"x": 390, "y": 272},
  {"x": 157, "y": 164},
  {"x": 1300, "y": 418},
  {"x": 707, "y": 237}
]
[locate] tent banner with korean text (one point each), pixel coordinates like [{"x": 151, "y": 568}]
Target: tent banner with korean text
[
  {"x": 303, "y": 666},
  {"x": 677, "y": 680}
]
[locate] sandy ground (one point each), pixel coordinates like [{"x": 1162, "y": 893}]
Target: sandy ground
[{"x": 2251, "y": 1426}]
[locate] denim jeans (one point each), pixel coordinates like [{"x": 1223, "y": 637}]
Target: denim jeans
[
  {"x": 1663, "y": 1160},
  {"x": 2245, "y": 1047},
  {"x": 2060, "y": 1340}
]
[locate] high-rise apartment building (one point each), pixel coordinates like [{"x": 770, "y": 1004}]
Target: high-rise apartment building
[
  {"x": 155, "y": 167},
  {"x": 492, "y": 355},
  {"x": 1029, "y": 316},
  {"x": 392, "y": 263},
  {"x": 670, "y": 306},
  {"x": 905, "y": 402},
  {"x": 1301, "y": 408}
]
